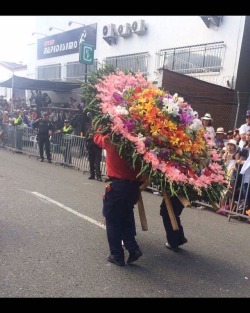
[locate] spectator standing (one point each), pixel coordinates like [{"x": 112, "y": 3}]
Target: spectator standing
[
  {"x": 45, "y": 128},
  {"x": 46, "y": 100},
  {"x": 25, "y": 118},
  {"x": 67, "y": 131},
  {"x": 230, "y": 158},
  {"x": 207, "y": 124},
  {"x": 39, "y": 102},
  {"x": 220, "y": 141},
  {"x": 236, "y": 135},
  {"x": 95, "y": 156},
  {"x": 18, "y": 131},
  {"x": 243, "y": 129}
]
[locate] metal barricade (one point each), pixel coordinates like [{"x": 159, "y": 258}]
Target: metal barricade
[
  {"x": 239, "y": 197},
  {"x": 67, "y": 150}
]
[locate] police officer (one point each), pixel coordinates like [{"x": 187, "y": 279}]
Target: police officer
[
  {"x": 95, "y": 157},
  {"x": 175, "y": 238},
  {"x": 121, "y": 194},
  {"x": 18, "y": 123},
  {"x": 45, "y": 128},
  {"x": 67, "y": 130}
]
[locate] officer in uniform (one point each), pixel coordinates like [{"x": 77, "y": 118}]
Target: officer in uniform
[
  {"x": 45, "y": 128},
  {"x": 95, "y": 157},
  {"x": 175, "y": 238},
  {"x": 121, "y": 194},
  {"x": 67, "y": 130},
  {"x": 18, "y": 123}
]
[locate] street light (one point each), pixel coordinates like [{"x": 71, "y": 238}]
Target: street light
[
  {"x": 62, "y": 30},
  {"x": 70, "y": 23},
  {"x": 35, "y": 33}
]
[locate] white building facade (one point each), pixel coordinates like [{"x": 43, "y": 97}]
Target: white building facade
[{"x": 205, "y": 48}]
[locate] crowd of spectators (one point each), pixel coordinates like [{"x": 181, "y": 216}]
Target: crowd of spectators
[{"x": 38, "y": 103}]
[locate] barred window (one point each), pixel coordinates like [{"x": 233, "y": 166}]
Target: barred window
[
  {"x": 130, "y": 62},
  {"x": 76, "y": 70},
  {"x": 203, "y": 58},
  {"x": 49, "y": 72}
]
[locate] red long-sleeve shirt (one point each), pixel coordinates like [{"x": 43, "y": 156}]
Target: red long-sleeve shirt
[{"x": 117, "y": 166}]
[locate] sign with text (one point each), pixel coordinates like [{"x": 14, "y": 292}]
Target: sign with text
[
  {"x": 86, "y": 53},
  {"x": 67, "y": 42}
]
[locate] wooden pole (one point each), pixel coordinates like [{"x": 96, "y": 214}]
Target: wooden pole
[
  {"x": 170, "y": 211},
  {"x": 143, "y": 219},
  {"x": 184, "y": 201},
  {"x": 142, "y": 214}
]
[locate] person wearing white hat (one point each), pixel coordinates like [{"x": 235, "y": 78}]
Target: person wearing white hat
[
  {"x": 231, "y": 155},
  {"x": 207, "y": 124},
  {"x": 243, "y": 130},
  {"x": 220, "y": 141},
  {"x": 230, "y": 158}
]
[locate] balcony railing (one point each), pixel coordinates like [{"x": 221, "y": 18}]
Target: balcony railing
[{"x": 204, "y": 58}]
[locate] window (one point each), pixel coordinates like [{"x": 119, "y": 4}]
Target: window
[
  {"x": 76, "y": 70},
  {"x": 131, "y": 62},
  {"x": 49, "y": 72},
  {"x": 204, "y": 58}
]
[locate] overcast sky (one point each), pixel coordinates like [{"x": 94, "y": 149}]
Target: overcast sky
[{"x": 15, "y": 35}]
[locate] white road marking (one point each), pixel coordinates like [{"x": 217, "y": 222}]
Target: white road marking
[{"x": 89, "y": 219}]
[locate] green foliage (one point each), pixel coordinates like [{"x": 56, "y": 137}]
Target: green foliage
[{"x": 89, "y": 90}]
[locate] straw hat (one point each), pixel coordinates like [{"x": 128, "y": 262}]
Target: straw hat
[
  {"x": 220, "y": 130},
  {"x": 207, "y": 117}
]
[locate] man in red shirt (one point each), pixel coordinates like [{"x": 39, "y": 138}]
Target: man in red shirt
[{"x": 120, "y": 197}]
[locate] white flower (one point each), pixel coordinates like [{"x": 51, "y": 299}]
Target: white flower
[
  {"x": 196, "y": 125},
  {"x": 141, "y": 137},
  {"x": 120, "y": 110}
]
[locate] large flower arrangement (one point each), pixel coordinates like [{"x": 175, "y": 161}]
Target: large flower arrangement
[{"x": 161, "y": 134}]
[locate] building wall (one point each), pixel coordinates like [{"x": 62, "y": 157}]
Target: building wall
[{"x": 163, "y": 32}]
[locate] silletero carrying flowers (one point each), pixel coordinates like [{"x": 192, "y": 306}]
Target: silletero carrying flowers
[{"x": 161, "y": 134}]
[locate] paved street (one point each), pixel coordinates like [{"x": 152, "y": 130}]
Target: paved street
[{"x": 52, "y": 243}]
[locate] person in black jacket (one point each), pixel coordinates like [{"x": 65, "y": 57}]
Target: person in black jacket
[
  {"x": 45, "y": 128},
  {"x": 95, "y": 157},
  {"x": 39, "y": 102}
]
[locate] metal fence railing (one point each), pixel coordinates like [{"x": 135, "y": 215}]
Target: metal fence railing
[
  {"x": 238, "y": 198},
  {"x": 67, "y": 150},
  {"x": 71, "y": 150}
]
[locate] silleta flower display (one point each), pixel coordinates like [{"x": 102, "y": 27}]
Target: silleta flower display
[{"x": 161, "y": 135}]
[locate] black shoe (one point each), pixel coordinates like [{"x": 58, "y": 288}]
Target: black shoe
[
  {"x": 91, "y": 177},
  {"x": 49, "y": 161},
  {"x": 111, "y": 259},
  {"x": 99, "y": 178},
  {"x": 183, "y": 241},
  {"x": 41, "y": 160},
  {"x": 175, "y": 249},
  {"x": 134, "y": 256}
]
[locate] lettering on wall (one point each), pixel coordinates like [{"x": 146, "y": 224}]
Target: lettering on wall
[{"x": 66, "y": 42}]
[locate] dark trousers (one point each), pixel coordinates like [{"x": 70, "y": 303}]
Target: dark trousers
[
  {"x": 95, "y": 157},
  {"x": 44, "y": 140},
  {"x": 19, "y": 134},
  {"x": 67, "y": 152},
  {"x": 174, "y": 237},
  {"x": 118, "y": 210}
]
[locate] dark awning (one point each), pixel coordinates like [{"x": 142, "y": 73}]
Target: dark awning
[{"x": 38, "y": 84}]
